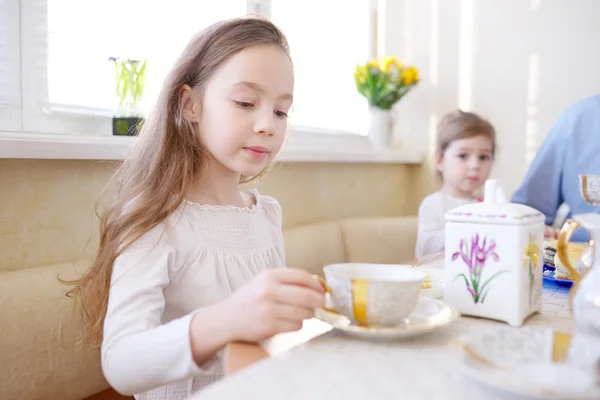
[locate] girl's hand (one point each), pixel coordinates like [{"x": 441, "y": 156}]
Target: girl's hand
[
  {"x": 276, "y": 301},
  {"x": 550, "y": 232}
]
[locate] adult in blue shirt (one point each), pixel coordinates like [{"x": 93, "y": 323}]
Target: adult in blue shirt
[{"x": 571, "y": 148}]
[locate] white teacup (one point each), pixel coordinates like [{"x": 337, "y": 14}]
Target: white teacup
[{"x": 373, "y": 294}]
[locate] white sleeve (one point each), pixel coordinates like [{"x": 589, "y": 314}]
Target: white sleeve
[
  {"x": 138, "y": 352},
  {"x": 431, "y": 233},
  {"x": 275, "y": 217}
]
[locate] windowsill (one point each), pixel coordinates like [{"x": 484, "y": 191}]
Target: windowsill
[{"x": 304, "y": 148}]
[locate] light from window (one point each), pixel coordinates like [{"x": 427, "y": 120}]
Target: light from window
[
  {"x": 327, "y": 39},
  {"x": 82, "y": 35}
]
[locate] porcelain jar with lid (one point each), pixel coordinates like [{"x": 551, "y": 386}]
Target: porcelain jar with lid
[{"x": 494, "y": 258}]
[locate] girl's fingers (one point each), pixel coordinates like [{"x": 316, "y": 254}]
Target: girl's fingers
[
  {"x": 298, "y": 277},
  {"x": 299, "y": 296},
  {"x": 292, "y": 313}
]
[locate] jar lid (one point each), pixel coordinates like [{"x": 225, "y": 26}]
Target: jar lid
[{"x": 495, "y": 209}]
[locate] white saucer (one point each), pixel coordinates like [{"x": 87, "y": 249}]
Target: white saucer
[
  {"x": 519, "y": 361},
  {"x": 438, "y": 282},
  {"x": 430, "y": 314}
]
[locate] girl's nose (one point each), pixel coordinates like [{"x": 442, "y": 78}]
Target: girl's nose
[
  {"x": 475, "y": 164},
  {"x": 265, "y": 124}
]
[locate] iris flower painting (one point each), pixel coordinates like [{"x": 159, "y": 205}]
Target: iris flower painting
[{"x": 476, "y": 253}]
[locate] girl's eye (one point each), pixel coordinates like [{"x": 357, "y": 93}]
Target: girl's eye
[
  {"x": 484, "y": 158},
  {"x": 244, "y": 104},
  {"x": 463, "y": 155},
  {"x": 281, "y": 114}
]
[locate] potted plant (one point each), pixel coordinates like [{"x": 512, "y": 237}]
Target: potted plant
[
  {"x": 130, "y": 84},
  {"x": 383, "y": 83}
]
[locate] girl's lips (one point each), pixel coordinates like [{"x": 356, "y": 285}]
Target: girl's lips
[{"x": 257, "y": 152}]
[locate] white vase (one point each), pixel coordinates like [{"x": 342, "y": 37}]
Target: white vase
[{"x": 380, "y": 128}]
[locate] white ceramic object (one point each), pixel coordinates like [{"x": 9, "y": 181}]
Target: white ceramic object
[
  {"x": 438, "y": 282},
  {"x": 586, "y": 295},
  {"x": 494, "y": 257},
  {"x": 428, "y": 315},
  {"x": 373, "y": 294},
  {"x": 586, "y": 272},
  {"x": 523, "y": 362},
  {"x": 380, "y": 128}
]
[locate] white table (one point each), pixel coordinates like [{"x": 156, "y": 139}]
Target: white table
[{"x": 334, "y": 366}]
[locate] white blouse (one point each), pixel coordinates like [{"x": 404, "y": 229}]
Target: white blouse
[
  {"x": 431, "y": 234},
  {"x": 197, "y": 257}
]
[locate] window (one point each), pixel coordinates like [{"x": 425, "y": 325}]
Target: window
[
  {"x": 67, "y": 83},
  {"x": 68, "y": 59},
  {"x": 142, "y": 27},
  {"x": 327, "y": 39},
  {"x": 10, "y": 67}
]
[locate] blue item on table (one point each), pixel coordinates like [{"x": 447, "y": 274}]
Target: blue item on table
[{"x": 551, "y": 280}]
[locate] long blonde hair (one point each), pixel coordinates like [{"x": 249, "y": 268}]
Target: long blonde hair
[{"x": 166, "y": 159}]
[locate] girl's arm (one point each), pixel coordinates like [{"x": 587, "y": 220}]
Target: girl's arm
[{"x": 140, "y": 353}]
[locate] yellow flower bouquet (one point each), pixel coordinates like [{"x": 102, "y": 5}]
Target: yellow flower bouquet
[{"x": 385, "y": 81}]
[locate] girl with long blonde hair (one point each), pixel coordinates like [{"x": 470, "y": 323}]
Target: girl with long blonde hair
[{"x": 188, "y": 262}]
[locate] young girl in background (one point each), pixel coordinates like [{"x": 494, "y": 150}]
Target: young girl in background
[
  {"x": 187, "y": 262},
  {"x": 465, "y": 150}
]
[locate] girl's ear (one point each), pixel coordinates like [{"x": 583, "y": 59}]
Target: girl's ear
[
  {"x": 189, "y": 107},
  {"x": 439, "y": 159}
]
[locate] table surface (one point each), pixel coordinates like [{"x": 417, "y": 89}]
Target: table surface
[{"x": 319, "y": 362}]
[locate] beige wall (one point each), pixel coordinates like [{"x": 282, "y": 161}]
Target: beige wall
[{"x": 47, "y": 206}]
